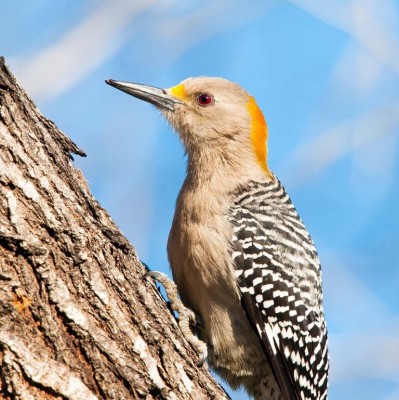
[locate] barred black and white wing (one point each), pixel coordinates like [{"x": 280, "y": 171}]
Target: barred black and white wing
[{"x": 278, "y": 273}]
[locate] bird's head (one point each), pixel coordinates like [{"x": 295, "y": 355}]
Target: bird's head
[{"x": 210, "y": 115}]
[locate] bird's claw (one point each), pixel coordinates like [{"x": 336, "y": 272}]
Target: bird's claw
[
  {"x": 159, "y": 276},
  {"x": 186, "y": 316}
]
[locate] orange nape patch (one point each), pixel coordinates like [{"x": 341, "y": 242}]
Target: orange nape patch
[
  {"x": 178, "y": 91},
  {"x": 258, "y": 134}
]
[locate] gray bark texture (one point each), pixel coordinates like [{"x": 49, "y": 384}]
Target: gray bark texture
[{"x": 77, "y": 321}]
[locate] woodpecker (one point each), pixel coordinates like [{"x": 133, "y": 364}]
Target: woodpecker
[{"x": 240, "y": 254}]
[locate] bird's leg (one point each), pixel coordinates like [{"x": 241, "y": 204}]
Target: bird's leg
[{"x": 186, "y": 316}]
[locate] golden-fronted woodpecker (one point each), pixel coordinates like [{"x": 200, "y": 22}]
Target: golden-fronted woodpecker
[{"x": 240, "y": 255}]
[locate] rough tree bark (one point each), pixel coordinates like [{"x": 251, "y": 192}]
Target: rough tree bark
[{"x": 76, "y": 319}]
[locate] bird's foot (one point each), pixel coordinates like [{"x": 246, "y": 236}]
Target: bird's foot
[{"x": 187, "y": 317}]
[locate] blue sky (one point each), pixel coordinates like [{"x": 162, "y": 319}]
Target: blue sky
[{"x": 326, "y": 76}]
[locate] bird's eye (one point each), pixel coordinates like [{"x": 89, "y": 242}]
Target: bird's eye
[{"x": 205, "y": 99}]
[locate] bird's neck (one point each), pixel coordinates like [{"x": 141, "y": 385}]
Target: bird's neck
[{"x": 221, "y": 172}]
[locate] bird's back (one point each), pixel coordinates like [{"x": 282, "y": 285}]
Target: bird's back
[{"x": 279, "y": 276}]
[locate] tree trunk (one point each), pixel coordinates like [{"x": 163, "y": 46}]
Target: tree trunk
[{"x": 76, "y": 319}]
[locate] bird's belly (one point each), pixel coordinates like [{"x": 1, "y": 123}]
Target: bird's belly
[
  {"x": 235, "y": 351},
  {"x": 202, "y": 267}
]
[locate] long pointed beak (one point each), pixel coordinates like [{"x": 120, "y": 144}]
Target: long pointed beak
[{"x": 158, "y": 97}]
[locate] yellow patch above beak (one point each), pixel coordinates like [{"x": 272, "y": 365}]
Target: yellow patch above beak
[{"x": 178, "y": 91}]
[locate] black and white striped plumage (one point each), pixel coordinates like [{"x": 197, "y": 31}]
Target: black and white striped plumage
[{"x": 279, "y": 277}]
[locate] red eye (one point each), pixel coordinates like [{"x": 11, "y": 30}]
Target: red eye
[{"x": 204, "y": 99}]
